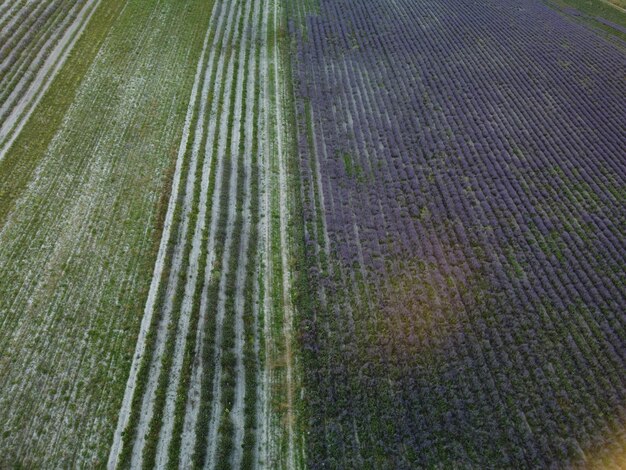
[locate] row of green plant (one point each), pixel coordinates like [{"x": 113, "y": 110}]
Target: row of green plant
[
  {"x": 228, "y": 357},
  {"x": 191, "y": 343},
  {"x": 159, "y": 307},
  {"x": 302, "y": 291},
  {"x": 253, "y": 296},
  {"x": 151, "y": 338},
  {"x": 132, "y": 212},
  {"x": 208, "y": 347},
  {"x": 25, "y": 42},
  {"x": 152, "y": 438}
]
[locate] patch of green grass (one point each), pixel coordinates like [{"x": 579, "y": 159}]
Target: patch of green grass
[{"x": 592, "y": 9}]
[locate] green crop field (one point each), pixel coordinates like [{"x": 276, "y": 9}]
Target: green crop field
[
  {"x": 84, "y": 190},
  {"x": 595, "y": 12}
]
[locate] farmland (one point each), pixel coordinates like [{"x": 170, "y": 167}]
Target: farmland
[
  {"x": 312, "y": 234},
  {"x": 606, "y": 15},
  {"x": 80, "y": 212},
  {"x": 210, "y": 362},
  {"x": 463, "y": 170},
  {"x": 36, "y": 39}
]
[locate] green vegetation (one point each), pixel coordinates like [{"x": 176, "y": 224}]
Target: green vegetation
[
  {"x": 251, "y": 357},
  {"x": 16, "y": 170},
  {"x": 610, "y": 10},
  {"x": 90, "y": 178},
  {"x": 83, "y": 198},
  {"x": 226, "y": 428},
  {"x": 208, "y": 348}
]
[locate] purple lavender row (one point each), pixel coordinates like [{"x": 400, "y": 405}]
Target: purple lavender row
[{"x": 610, "y": 24}]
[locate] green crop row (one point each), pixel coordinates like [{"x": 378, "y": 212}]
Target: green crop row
[
  {"x": 144, "y": 368},
  {"x": 251, "y": 328},
  {"x": 228, "y": 360},
  {"x": 208, "y": 348}
]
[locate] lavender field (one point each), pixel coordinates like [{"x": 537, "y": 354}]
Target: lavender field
[{"x": 463, "y": 179}]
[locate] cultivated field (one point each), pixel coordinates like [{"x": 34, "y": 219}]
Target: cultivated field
[
  {"x": 79, "y": 227},
  {"x": 35, "y": 39},
  {"x": 464, "y": 183},
  {"x": 312, "y": 234},
  {"x": 213, "y": 362}
]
